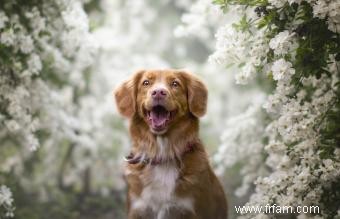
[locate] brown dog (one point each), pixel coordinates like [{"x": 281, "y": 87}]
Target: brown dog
[{"x": 168, "y": 172}]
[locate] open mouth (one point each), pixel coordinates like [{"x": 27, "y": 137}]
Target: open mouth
[{"x": 159, "y": 118}]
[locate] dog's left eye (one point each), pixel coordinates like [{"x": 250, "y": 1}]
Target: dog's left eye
[{"x": 174, "y": 84}]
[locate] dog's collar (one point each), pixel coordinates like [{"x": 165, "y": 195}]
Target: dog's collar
[{"x": 132, "y": 159}]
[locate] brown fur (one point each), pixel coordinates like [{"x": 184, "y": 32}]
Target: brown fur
[{"x": 196, "y": 179}]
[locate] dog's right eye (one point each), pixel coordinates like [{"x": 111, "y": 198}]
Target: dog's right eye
[{"x": 146, "y": 82}]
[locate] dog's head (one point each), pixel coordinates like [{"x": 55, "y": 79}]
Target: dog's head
[{"x": 161, "y": 98}]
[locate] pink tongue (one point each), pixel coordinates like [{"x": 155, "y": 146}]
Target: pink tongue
[{"x": 158, "y": 119}]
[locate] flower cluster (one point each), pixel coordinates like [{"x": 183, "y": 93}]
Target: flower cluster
[
  {"x": 31, "y": 38},
  {"x": 243, "y": 49},
  {"x": 45, "y": 48},
  {"x": 324, "y": 9},
  {"x": 295, "y": 45},
  {"x": 199, "y": 19},
  {"x": 328, "y": 10},
  {"x": 6, "y": 202},
  {"x": 241, "y": 143}
]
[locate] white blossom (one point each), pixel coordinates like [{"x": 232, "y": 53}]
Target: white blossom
[
  {"x": 282, "y": 70},
  {"x": 34, "y": 64},
  {"x": 26, "y": 44},
  {"x": 202, "y": 15},
  {"x": 281, "y": 43},
  {"x": 7, "y": 38},
  {"x": 247, "y": 72},
  {"x": 6, "y": 201},
  {"x": 3, "y": 19},
  {"x": 298, "y": 174},
  {"x": 278, "y": 3},
  {"x": 330, "y": 10},
  {"x": 5, "y": 195}
]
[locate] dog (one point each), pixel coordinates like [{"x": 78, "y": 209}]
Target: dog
[{"x": 168, "y": 172}]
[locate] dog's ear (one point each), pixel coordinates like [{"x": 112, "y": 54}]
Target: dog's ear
[
  {"x": 197, "y": 94},
  {"x": 125, "y": 95}
]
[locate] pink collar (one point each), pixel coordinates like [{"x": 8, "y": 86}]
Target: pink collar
[{"x": 132, "y": 159}]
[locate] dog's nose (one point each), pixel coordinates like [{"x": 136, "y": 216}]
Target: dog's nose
[{"x": 159, "y": 93}]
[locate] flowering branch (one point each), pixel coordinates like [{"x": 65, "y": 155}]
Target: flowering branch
[{"x": 295, "y": 43}]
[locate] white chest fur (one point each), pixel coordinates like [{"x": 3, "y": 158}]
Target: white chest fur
[{"x": 158, "y": 194}]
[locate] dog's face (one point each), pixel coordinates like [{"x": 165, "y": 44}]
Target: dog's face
[{"x": 161, "y": 98}]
